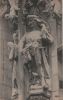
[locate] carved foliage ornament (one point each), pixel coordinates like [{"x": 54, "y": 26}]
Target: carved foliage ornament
[
  {"x": 42, "y": 8},
  {"x": 35, "y": 6}
]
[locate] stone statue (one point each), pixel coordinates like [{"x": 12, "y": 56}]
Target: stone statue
[
  {"x": 13, "y": 57},
  {"x": 33, "y": 51}
]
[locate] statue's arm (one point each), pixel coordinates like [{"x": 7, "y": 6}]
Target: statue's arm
[
  {"x": 50, "y": 37},
  {"x": 46, "y": 34}
]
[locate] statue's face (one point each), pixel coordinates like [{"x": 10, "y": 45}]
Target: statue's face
[{"x": 31, "y": 23}]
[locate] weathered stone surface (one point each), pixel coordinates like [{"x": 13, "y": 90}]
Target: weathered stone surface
[{"x": 5, "y": 69}]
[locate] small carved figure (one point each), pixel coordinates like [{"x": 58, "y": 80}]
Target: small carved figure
[
  {"x": 13, "y": 9},
  {"x": 13, "y": 57}
]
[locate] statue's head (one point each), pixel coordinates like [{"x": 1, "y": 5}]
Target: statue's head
[
  {"x": 36, "y": 23},
  {"x": 31, "y": 19},
  {"x": 33, "y": 22}
]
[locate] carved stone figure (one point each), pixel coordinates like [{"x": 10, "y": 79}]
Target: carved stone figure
[
  {"x": 13, "y": 57},
  {"x": 33, "y": 51},
  {"x": 13, "y": 9}
]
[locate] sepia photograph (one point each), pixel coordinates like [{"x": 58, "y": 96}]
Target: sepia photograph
[{"x": 31, "y": 50}]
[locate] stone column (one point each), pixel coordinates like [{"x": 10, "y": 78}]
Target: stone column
[
  {"x": 21, "y": 29},
  {"x": 5, "y": 69},
  {"x": 54, "y": 62}
]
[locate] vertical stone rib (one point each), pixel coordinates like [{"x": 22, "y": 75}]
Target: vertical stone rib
[
  {"x": 20, "y": 64},
  {"x": 5, "y": 73}
]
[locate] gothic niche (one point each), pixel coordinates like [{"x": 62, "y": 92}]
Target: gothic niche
[{"x": 33, "y": 47}]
